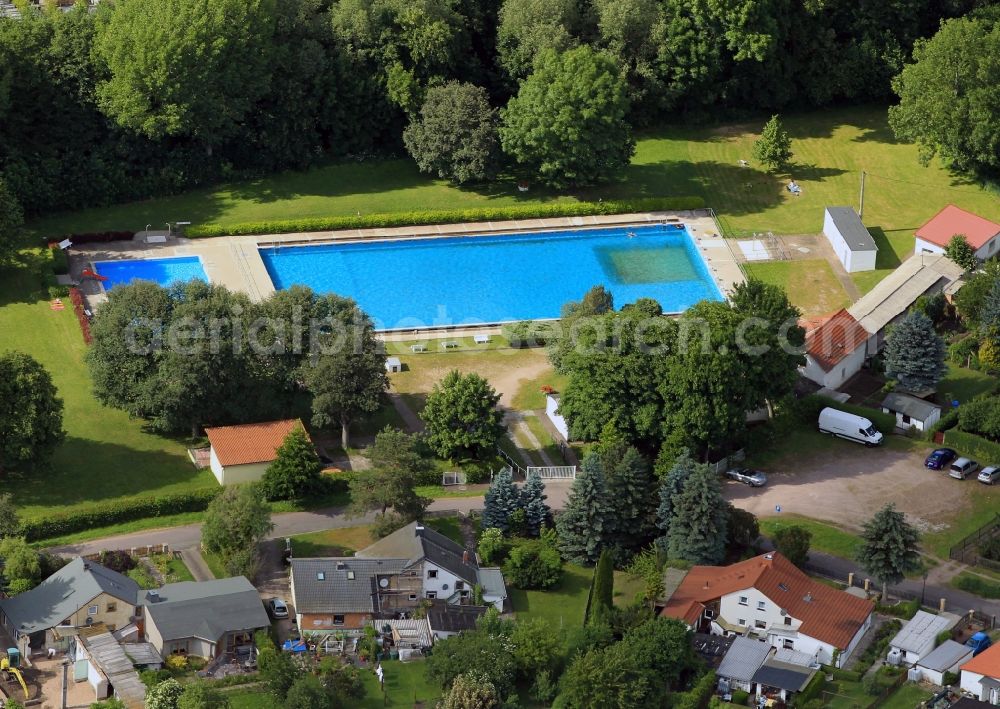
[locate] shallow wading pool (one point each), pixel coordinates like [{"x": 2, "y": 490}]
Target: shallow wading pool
[{"x": 164, "y": 271}]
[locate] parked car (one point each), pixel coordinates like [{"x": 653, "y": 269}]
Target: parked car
[
  {"x": 850, "y": 426},
  {"x": 939, "y": 459},
  {"x": 753, "y": 478},
  {"x": 978, "y": 642},
  {"x": 277, "y": 608},
  {"x": 989, "y": 475},
  {"x": 963, "y": 468}
]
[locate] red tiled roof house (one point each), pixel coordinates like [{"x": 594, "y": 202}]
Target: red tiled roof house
[
  {"x": 836, "y": 348},
  {"x": 241, "y": 454},
  {"x": 768, "y": 597},
  {"x": 981, "y": 675},
  {"x": 982, "y": 234}
]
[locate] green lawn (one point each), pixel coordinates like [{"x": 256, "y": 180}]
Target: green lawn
[
  {"x": 343, "y": 541},
  {"x": 530, "y": 397},
  {"x": 825, "y": 538},
  {"x": 563, "y": 605},
  {"x": 810, "y": 284},
  {"x": 841, "y": 694},
  {"x": 963, "y": 384},
  {"x": 106, "y": 454},
  {"x": 405, "y": 685},
  {"x": 830, "y": 148},
  {"x": 257, "y": 698},
  {"x": 178, "y": 571},
  {"x": 894, "y": 247},
  {"x": 450, "y": 527},
  {"x": 215, "y": 565},
  {"x": 906, "y": 697}
]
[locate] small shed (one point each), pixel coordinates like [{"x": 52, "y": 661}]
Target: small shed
[
  {"x": 946, "y": 657},
  {"x": 910, "y": 411},
  {"x": 917, "y": 638},
  {"x": 741, "y": 663},
  {"x": 849, "y": 238},
  {"x": 393, "y": 365},
  {"x": 447, "y": 620},
  {"x": 780, "y": 680},
  {"x": 552, "y": 411},
  {"x": 241, "y": 454}
]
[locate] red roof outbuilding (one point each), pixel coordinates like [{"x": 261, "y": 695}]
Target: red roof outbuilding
[
  {"x": 250, "y": 442},
  {"x": 952, "y": 220}
]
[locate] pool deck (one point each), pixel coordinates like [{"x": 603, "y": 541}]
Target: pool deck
[{"x": 235, "y": 262}]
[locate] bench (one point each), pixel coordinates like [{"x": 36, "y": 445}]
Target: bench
[
  {"x": 481, "y": 339},
  {"x": 418, "y": 348},
  {"x": 449, "y": 344}
]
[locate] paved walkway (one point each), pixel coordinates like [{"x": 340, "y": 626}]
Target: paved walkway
[{"x": 195, "y": 562}]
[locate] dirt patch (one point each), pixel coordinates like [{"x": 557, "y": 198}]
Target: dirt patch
[{"x": 850, "y": 483}]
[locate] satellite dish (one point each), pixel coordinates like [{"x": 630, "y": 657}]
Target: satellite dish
[
  {"x": 444, "y": 587},
  {"x": 383, "y": 583}
]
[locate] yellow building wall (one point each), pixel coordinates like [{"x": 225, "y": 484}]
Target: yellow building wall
[{"x": 114, "y": 619}]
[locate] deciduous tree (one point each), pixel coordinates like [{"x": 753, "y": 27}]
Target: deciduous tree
[
  {"x": 471, "y": 691},
  {"x": 10, "y": 520},
  {"x": 20, "y": 562},
  {"x": 793, "y": 542},
  {"x": 390, "y": 483},
  {"x": 455, "y": 135},
  {"x": 462, "y": 417},
  {"x": 11, "y": 219},
  {"x": 31, "y": 413},
  {"x": 164, "y": 695},
  {"x": 235, "y": 523},
  {"x": 533, "y": 564},
  {"x": 961, "y": 252},
  {"x": 528, "y": 27},
  {"x": 889, "y": 550},
  {"x": 915, "y": 353},
  {"x": 568, "y": 121},
  {"x": 774, "y": 146},
  {"x": 202, "y": 696}
]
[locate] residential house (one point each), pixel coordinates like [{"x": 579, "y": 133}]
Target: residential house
[
  {"x": 79, "y": 595},
  {"x": 835, "y": 349},
  {"x": 949, "y": 656},
  {"x": 241, "y": 454},
  {"x": 918, "y": 637},
  {"x": 894, "y": 295},
  {"x": 202, "y": 618},
  {"x": 982, "y": 234},
  {"x": 769, "y": 598},
  {"x": 911, "y": 412},
  {"x": 390, "y": 579},
  {"x": 969, "y": 703},
  {"x": 981, "y": 676},
  {"x": 744, "y": 658},
  {"x": 849, "y": 238}
]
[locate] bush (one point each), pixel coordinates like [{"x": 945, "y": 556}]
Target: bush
[
  {"x": 151, "y": 678},
  {"x": 978, "y": 586},
  {"x": 60, "y": 261},
  {"x": 698, "y": 695},
  {"x": 808, "y": 408},
  {"x": 142, "y": 577},
  {"x": 120, "y": 561},
  {"x": 981, "y": 416},
  {"x": 533, "y": 564},
  {"x": 177, "y": 663},
  {"x": 949, "y": 679},
  {"x": 975, "y": 447},
  {"x": 740, "y": 697},
  {"x": 98, "y": 237},
  {"x": 76, "y": 297},
  {"x": 493, "y": 547},
  {"x": 903, "y": 609},
  {"x": 810, "y": 692},
  {"x": 879, "y": 644},
  {"x": 101, "y": 514},
  {"x": 942, "y": 637},
  {"x": 451, "y": 216},
  {"x": 530, "y": 334},
  {"x": 947, "y": 421},
  {"x": 965, "y": 352}
]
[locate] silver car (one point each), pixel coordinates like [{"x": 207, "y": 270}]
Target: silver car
[
  {"x": 963, "y": 468},
  {"x": 277, "y": 608},
  {"x": 747, "y": 476},
  {"x": 989, "y": 475}
]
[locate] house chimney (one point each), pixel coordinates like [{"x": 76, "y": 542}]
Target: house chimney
[
  {"x": 153, "y": 596},
  {"x": 808, "y": 597},
  {"x": 341, "y": 566},
  {"x": 418, "y": 530},
  {"x": 706, "y": 585}
]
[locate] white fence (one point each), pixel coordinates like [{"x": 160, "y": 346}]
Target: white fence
[
  {"x": 453, "y": 479},
  {"x": 554, "y": 472}
]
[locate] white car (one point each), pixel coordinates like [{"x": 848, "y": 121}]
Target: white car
[{"x": 989, "y": 475}]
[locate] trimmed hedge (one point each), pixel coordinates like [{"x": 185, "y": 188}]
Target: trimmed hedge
[
  {"x": 102, "y": 514},
  {"x": 448, "y": 216},
  {"x": 809, "y": 407},
  {"x": 698, "y": 696},
  {"x": 811, "y": 691},
  {"x": 976, "y": 447}
]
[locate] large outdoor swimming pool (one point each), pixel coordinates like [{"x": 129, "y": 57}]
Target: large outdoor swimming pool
[
  {"x": 487, "y": 279},
  {"x": 164, "y": 271}
]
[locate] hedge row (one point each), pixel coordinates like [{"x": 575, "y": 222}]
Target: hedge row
[
  {"x": 698, "y": 696},
  {"x": 976, "y": 447},
  {"x": 81, "y": 316},
  {"x": 450, "y": 216},
  {"x": 812, "y": 689},
  {"x": 102, "y": 514},
  {"x": 810, "y": 406}
]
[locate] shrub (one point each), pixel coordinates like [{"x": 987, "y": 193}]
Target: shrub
[
  {"x": 942, "y": 637},
  {"x": 530, "y": 334},
  {"x": 698, "y": 695},
  {"x": 978, "y": 586},
  {"x": 879, "y": 644},
  {"x": 903, "y": 609},
  {"x": 452, "y": 216},
  {"x": 119, "y": 560},
  {"x": 973, "y": 446},
  {"x": 947, "y": 421},
  {"x": 948, "y": 679},
  {"x": 981, "y": 416},
  {"x": 60, "y": 261},
  {"x": 177, "y": 663},
  {"x": 99, "y": 237},
  {"x": 101, "y": 514},
  {"x": 965, "y": 352},
  {"x": 533, "y": 564},
  {"x": 493, "y": 548},
  {"x": 740, "y": 697},
  {"x": 810, "y": 692},
  {"x": 78, "y": 309},
  {"x": 151, "y": 678},
  {"x": 808, "y": 408},
  {"x": 142, "y": 577}
]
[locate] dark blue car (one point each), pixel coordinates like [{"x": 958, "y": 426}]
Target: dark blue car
[{"x": 940, "y": 458}]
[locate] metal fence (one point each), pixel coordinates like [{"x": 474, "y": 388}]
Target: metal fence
[
  {"x": 554, "y": 472},
  {"x": 720, "y": 466},
  {"x": 967, "y": 550}
]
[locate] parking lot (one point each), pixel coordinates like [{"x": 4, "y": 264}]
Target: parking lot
[{"x": 849, "y": 483}]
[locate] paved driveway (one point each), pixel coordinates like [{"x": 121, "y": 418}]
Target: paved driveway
[{"x": 849, "y": 483}]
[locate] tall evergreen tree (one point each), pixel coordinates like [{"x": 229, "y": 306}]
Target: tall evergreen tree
[
  {"x": 630, "y": 486},
  {"x": 673, "y": 483},
  {"x": 989, "y": 313},
  {"x": 915, "y": 353},
  {"x": 602, "y": 597},
  {"x": 501, "y": 501},
  {"x": 889, "y": 550},
  {"x": 698, "y": 524},
  {"x": 536, "y": 512},
  {"x": 584, "y": 524},
  {"x": 295, "y": 473}
]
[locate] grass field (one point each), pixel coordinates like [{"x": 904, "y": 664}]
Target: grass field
[
  {"x": 562, "y": 605},
  {"x": 831, "y": 148},
  {"x": 406, "y": 685},
  {"x": 825, "y": 538},
  {"x": 810, "y": 284},
  {"x": 343, "y": 541},
  {"x": 106, "y": 454},
  {"x": 894, "y": 247},
  {"x": 906, "y": 697},
  {"x": 963, "y": 384},
  {"x": 529, "y": 395}
]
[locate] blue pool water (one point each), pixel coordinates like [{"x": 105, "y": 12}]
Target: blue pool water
[
  {"x": 160, "y": 270},
  {"x": 484, "y": 279}
]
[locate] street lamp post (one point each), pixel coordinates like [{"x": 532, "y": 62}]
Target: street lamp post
[{"x": 923, "y": 587}]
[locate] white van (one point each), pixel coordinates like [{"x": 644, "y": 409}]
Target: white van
[{"x": 849, "y": 426}]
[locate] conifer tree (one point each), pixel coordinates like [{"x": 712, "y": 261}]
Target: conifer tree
[
  {"x": 698, "y": 523},
  {"x": 989, "y": 313},
  {"x": 890, "y": 547},
  {"x": 673, "y": 483},
  {"x": 630, "y": 488},
  {"x": 584, "y": 524},
  {"x": 536, "y": 512},
  {"x": 915, "y": 353},
  {"x": 502, "y": 500},
  {"x": 296, "y": 471},
  {"x": 774, "y": 147},
  {"x": 602, "y": 598}
]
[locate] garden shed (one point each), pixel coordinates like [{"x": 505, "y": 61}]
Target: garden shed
[
  {"x": 849, "y": 238},
  {"x": 241, "y": 454},
  {"x": 949, "y": 656},
  {"x": 918, "y": 637},
  {"x": 911, "y": 412},
  {"x": 393, "y": 365}
]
